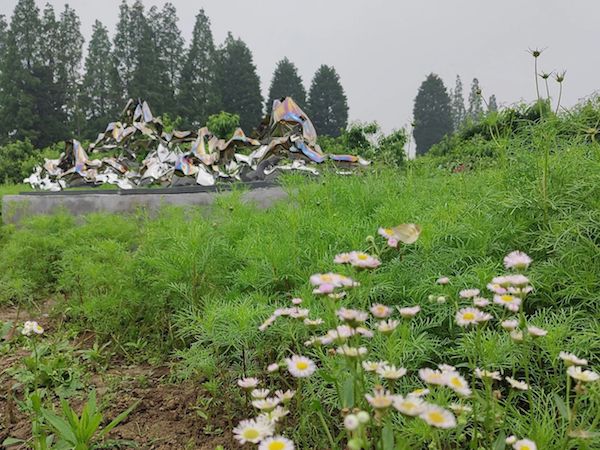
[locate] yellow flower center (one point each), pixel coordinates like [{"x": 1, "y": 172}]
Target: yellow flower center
[
  {"x": 525, "y": 447},
  {"x": 250, "y": 433},
  {"x": 388, "y": 231},
  {"x": 276, "y": 445},
  {"x": 506, "y": 298},
  {"x": 409, "y": 405},
  {"x": 436, "y": 417},
  {"x": 456, "y": 382},
  {"x": 301, "y": 365},
  {"x": 381, "y": 402},
  {"x": 469, "y": 316},
  {"x": 326, "y": 278},
  {"x": 362, "y": 256}
]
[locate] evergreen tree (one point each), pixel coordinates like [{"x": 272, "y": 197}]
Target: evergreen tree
[
  {"x": 123, "y": 57},
  {"x": 149, "y": 78},
  {"x": 3, "y": 43},
  {"x": 68, "y": 57},
  {"x": 286, "y": 83},
  {"x": 459, "y": 112},
  {"x": 327, "y": 103},
  {"x": 492, "y": 104},
  {"x": 198, "y": 95},
  {"x": 239, "y": 84},
  {"x": 432, "y": 113},
  {"x": 95, "y": 91},
  {"x": 31, "y": 104},
  {"x": 475, "y": 103},
  {"x": 49, "y": 45},
  {"x": 169, "y": 44}
]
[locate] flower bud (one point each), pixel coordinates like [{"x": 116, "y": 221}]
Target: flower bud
[
  {"x": 363, "y": 417},
  {"x": 351, "y": 422}
]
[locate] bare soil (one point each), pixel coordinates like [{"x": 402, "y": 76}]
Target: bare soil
[{"x": 165, "y": 418}]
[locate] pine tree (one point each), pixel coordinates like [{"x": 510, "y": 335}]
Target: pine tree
[
  {"x": 68, "y": 75},
  {"x": 238, "y": 82},
  {"x": 169, "y": 44},
  {"x": 49, "y": 44},
  {"x": 95, "y": 91},
  {"x": 475, "y": 103},
  {"x": 198, "y": 95},
  {"x": 327, "y": 103},
  {"x": 459, "y": 112},
  {"x": 123, "y": 57},
  {"x": 492, "y": 104},
  {"x": 286, "y": 83},
  {"x": 148, "y": 79},
  {"x": 31, "y": 103},
  {"x": 432, "y": 113}
]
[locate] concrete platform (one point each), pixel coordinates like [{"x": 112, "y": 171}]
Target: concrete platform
[{"x": 17, "y": 207}]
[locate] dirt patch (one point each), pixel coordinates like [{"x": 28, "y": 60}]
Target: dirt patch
[{"x": 168, "y": 415}]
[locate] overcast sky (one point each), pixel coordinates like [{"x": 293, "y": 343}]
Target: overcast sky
[{"x": 383, "y": 50}]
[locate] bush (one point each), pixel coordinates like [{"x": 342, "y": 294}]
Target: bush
[{"x": 223, "y": 124}]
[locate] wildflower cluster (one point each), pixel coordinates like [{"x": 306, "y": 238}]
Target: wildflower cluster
[{"x": 375, "y": 400}]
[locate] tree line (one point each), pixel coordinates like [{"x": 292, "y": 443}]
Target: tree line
[
  {"x": 49, "y": 92},
  {"x": 438, "y": 112}
]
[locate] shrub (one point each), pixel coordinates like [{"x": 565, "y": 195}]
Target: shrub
[{"x": 223, "y": 124}]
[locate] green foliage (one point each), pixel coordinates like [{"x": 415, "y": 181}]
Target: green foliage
[
  {"x": 286, "y": 83},
  {"x": 239, "y": 83},
  {"x": 432, "y": 113},
  {"x": 327, "y": 102},
  {"x": 12, "y": 157},
  {"x": 223, "y": 124},
  {"x": 170, "y": 124}
]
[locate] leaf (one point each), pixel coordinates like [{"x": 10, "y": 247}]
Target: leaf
[
  {"x": 12, "y": 441},
  {"x": 500, "y": 443},
  {"x": 60, "y": 425},
  {"x": 561, "y": 406},
  {"x": 387, "y": 435},
  {"x": 118, "y": 419},
  {"x": 348, "y": 393}
]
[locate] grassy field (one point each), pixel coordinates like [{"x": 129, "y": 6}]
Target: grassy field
[{"x": 189, "y": 292}]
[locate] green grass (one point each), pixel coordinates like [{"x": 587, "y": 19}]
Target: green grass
[{"x": 195, "y": 288}]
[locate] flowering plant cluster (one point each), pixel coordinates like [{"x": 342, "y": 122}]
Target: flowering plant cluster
[{"x": 370, "y": 398}]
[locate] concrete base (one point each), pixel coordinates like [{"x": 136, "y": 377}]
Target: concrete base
[{"x": 17, "y": 207}]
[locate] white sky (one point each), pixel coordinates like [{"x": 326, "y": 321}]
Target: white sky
[{"x": 384, "y": 49}]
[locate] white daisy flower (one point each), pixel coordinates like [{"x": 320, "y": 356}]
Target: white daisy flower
[
  {"x": 433, "y": 376},
  {"x": 391, "y": 372},
  {"x": 372, "y": 366},
  {"x": 266, "y": 404},
  {"x": 481, "y": 302},
  {"x": 515, "y": 280},
  {"x": 300, "y": 366},
  {"x": 275, "y": 415},
  {"x": 409, "y": 406},
  {"x": 571, "y": 360},
  {"x": 381, "y": 399},
  {"x": 438, "y": 417},
  {"x": 517, "y": 260},
  {"x": 470, "y": 316},
  {"x": 258, "y": 394},
  {"x": 387, "y": 326},
  {"x": 536, "y": 332},
  {"x": 248, "y": 383},
  {"x": 276, "y": 443},
  {"x": 510, "y": 302},
  {"x": 582, "y": 375},
  {"x": 342, "y": 258},
  {"x": 421, "y": 392},
  {"x": 267, "y": 323},
  {"x": 509, "y": 324},
  {"x": 458, "y": 384},
  {"x": 524, "y": 444},
  {"x": 520, "y": 385},
  {"x": 313, "y": 322},
  {"x": 469, "y": 293},
  {"x": 351, "y": 422},
  {"x": 446, "y": 368},
  {"x": 296, "y": 301},
  {"x": 496, "y": 288},
  {"x": 459, "y": 408},
  {"x": 351, "y": 352},
  {"x": 365, "y": 332},
  {"x": 482, "y": 373},
  {"x": 272, "y": 367},
  {"x": 299, "y": 313},
  {"x": 409, "y": 312},
  {"x": 31, "y": 327},
  {"x": 352, "y": 315},
  {"x": 364, "y": 261},
  {"x": 516, "y": 335},
  {"x": 380, "y": 311},
  {"x": 333, "y": 279},
  {"x": 339, "y": 334},
  {"x": 253, "y": 431},
  {"x": 285, "y": 396},
  {"x": 443, "y": 280},
  {"x": 511, "y": 439}
]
